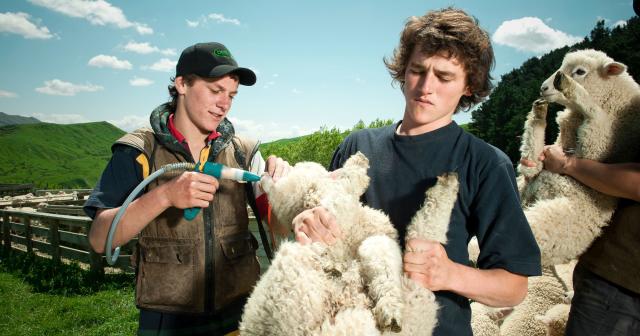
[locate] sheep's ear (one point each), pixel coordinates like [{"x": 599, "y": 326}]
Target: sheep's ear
[
  {"x": 353, "y": 175},
  {"x": 614, "y": 69}
]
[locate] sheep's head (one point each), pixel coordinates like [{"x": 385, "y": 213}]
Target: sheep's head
[
  {"x": 596, "y": 72},
  {"x": 308, "y": 185}
]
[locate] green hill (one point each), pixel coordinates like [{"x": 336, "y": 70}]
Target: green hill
[
  {"x": 9, "y": 119},
  {"x": 55, "y": 156}
]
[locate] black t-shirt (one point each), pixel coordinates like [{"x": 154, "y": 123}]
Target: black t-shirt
[
  {"x": 402, "y": 168},
  {"x": 117, "y": 181}
]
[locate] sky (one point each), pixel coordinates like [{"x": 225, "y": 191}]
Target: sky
[{"x": 318, "y": 63}]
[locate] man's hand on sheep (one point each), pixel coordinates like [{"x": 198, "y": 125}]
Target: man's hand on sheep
[
  {"x": 427, "y": 263},
  {"x": 276, "y": 167},
  {"x": 554, "y": 159},
  {"x": 316, "y": 225}
]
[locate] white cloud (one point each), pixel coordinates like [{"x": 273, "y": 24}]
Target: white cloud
[
  {"x": 269, "y": 84},
  {"x": 621, "y": 24},
  {"x": 131, "y": 122},
  {"x": 164, "y": 64},
  {"x": 146, "y": 48},
  {"x": 100, "y": 13},
  {"x": 143, "y": 29},
  {"x": 57, "y": 87},
  {"x": 296, "y": 91},
  {"x": 270, "y": 132},
  {"x": 532, "y": 35},
  {"x": 18, "y": 23},
  {"x": 7, "y": 94},
  {"x": 137, "y": 81},
  {"x": 105, "y": 61},
  {"x": 219, "y": 18},
  {"x": 215, "y": 17},
  {"x": 61, "y": 118}
]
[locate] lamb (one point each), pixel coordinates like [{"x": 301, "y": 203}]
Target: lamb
[
  {"x": 555, "y": 319},
  {"x": 356, "y": 286},
  {"x": 544, "y": 292},
  {"x": 601, "y": 122},
  {"x": 544, "y": 311}
]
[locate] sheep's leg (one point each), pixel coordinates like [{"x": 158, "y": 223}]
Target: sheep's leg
[
  {"x": 565, "y": 227},
  {"x": 291, "y": 297},
  {"x": 594, "y": 133},
  {"x": 533, "y": 138},
  {"x": 382, "y": 269},
  {"x": 568, "y": 122},
  {"x": 350, "y": 322},
  {"x": 431, "y": 222}
]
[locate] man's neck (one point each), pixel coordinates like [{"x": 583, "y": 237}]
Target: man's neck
[
  {"x": 408, "y": 127},
  {"x": 194, "y": 137},
  {"x": 192, "y": 134}
]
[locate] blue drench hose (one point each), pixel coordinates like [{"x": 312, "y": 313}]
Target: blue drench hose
[{"x": 216, "y": 170}]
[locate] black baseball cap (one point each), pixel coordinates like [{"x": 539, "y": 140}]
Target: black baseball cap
[{"x": 212, "y": 60}]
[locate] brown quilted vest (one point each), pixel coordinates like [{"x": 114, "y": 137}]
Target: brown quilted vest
[{"x": 199, "y": 266}]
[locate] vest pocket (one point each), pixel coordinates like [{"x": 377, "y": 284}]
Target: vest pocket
[
  {"x": 239, "y": 272},
  {"x": 166, "y": 274}
]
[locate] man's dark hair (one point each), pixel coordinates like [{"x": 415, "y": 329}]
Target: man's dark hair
[{"x": 452, "y": 33}]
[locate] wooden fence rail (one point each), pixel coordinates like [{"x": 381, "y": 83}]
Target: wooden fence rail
[{"x": 60, "y": 235}]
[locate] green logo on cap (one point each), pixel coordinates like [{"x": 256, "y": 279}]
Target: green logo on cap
[{"x": 222, "y": 53}]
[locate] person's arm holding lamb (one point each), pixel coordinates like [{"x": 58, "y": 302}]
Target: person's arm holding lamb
[{"x": 615, "y": 179}]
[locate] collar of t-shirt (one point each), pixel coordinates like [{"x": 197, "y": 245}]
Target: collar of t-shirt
[{"x": 181, "y": 139}]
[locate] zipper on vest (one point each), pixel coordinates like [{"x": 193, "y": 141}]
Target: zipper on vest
[{"x": 209, "y": 257}]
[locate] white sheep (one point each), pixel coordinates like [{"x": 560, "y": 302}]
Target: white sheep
[
  {"x": 555, "y": 319},
  {"x": 356, "y": 286},
  {"x": 544, "y": 292},
  {"x": 601, "y": 122}
]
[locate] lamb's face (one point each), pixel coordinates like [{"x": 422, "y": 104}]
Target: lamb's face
[
  {"x": 288, "y": 196},
  {"x": 308, "y": 185},
  {"x": 593, "y": 70}
]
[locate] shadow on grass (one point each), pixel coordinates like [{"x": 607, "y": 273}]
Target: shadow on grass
[{"x": 47, "y": 276}]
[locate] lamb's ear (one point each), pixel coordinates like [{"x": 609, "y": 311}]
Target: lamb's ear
[
  {"x": 613, "y": 68},
  {"x": 353, "y": 175}
]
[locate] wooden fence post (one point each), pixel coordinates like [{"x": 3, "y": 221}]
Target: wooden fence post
[
  {"x": 28, "y": 233},
  {"x": 6, "y": 232},
  {"x": 97, "y": 265},
  {"x": 54, "y": 240}
]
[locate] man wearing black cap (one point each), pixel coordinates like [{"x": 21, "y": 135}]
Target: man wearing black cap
[{"x": 193, "y": 277}]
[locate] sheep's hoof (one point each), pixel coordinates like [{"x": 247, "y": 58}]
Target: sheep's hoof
[
  {"x": 334, "y": 273},
  {"x": 394, "y": 327},
  {"x": 562, "y": 83},
  {"x": 540, "y": 108}
]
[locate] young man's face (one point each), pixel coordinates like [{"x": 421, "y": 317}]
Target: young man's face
[
  {"x": 432, "y": 89},
  {"x": 207, "y": 102}
]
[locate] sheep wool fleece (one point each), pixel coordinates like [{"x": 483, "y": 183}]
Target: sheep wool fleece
[{"x": 488, "y": 206}]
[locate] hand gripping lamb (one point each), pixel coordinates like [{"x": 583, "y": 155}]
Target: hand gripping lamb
[
  {"x": 356, "y": 286},
  {"x": 601, "y": 122}
]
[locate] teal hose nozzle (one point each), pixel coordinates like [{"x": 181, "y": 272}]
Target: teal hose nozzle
[{"x": 220, "y": 171}]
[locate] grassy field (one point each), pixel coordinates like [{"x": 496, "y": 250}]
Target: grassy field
[
  {"x": 56, "y": 156},
  {"x": 23, "y": 312}
]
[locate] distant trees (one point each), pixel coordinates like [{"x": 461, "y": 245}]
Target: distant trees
[{"x": 318, "y": 146}]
